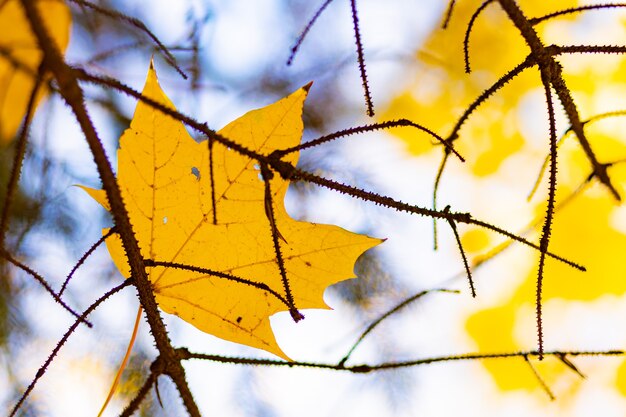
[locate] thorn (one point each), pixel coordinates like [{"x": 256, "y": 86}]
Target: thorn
[
  {"x": 158, "y": 393},
  {"x": 570, "y": 364}
]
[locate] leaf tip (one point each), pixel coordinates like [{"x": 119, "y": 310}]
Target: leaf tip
[
  {"x": 152, "y": 76},
  {"x": 99, "y": 195},
  {"x": 307, "y": 86}
]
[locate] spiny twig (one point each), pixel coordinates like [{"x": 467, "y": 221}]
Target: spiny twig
[
  {"x": 538, "y": 377},
  {"x": 361, "y": 60},
  {"x": 468, "y": 271},
  {"x": 73, "y": 95},
  {"x": 134, "y": 404},
  {"x": 555, "y": 50},
  {"x": 114, "y": 14},
  {"x": 41, "y": 280},
  {"x": 470, "y": 26},
  {"x": 387, "y": 314},
  {"x": 366, "y": 368},
  {"x": 400, "y": 206},
  {"x": 546, "y": 160},
  {"x": 217, "y": 274},
  {"x": 448, "y": 14},
  {"x": 369, "y": 128},
  {"x": 537, "y": 20},
  {"x": 84, "y": 258},
  {"x": 552, "y": 69},
  {"x": 547, "y": 227},
  {"x": 497, "y": 86},
  {"x": 18, "y": 158},
  {"x": 43, "y": 368},
  {"x": 309, "y": 25},
  {"x": 267, "y": 175}
]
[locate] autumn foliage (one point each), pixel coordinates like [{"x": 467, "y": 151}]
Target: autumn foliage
[{"x": 512, "y": 104}]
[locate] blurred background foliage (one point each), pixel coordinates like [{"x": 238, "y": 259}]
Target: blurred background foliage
[
  {"x": 235, "y": 56},
  {"x": 507, "y": 134}
]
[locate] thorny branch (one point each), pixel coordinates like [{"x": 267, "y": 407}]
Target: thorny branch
[
  {"x": 42, "y": 370},
  {"x": 366, "y": 368},
  {"x": 169, "y": 361},
  {"x": 288, "y": 171},
  {"x": 552, "y": 78},
  {"x": 18, "y": 159},
  {"x": 114, "y": 14},
  {"x": 156, "y": 368},
  {"x": 553, "y": 71},
  {"x": 73, "y": 95}
]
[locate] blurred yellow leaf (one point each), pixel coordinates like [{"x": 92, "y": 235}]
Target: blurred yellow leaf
[
  {"x": 18, "y": 42},
  {"x": 441, "y": 90},
  {"x": 594, "y": 243},
  {"x": 621, "y": 378},
  {"x": 475, "y": 240},
  {"x": 503, "y": 126},
  {"x": 165, "y": 179}
]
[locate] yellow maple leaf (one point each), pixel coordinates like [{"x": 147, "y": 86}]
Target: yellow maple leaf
[
  {"x": 165, "y": 180},
  {"x": 18, "y": 43}
]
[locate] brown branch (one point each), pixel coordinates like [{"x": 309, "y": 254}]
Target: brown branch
[
  {"x": 114, "y": 14},
  {"x": 134, "y": 404},
  {"x": 288, "y": 171},
  {"x": 18, "y": 158},
  {"x": 369, "y": 128},
  {"x": 470, "y": 26},
  {"x": 448, "y": 14},
  {"x": 84, "y": 258},
  {"x": 297, "y": 174},
  {"x": 73, "y": 95},
  {"x": 547, "y": 226},
  {"x": 109, "y": 82},
  {"x": 468, "y": 271},
  {"x": 361, "y": 59},
  {"x": 571, "y": 10},
  {"x": 366, "y": 368},
  {"x": 548, "y": 65},
  {"x": 387, "y": 314},
  {"x": 538, "y": 377},
  {"x": 527, "y": 63},
  {"x": 309, "y": 25},
  {"x": 218, "y": 274},
  {"x": 43, "y": 368},
  {"x": 554, "y": 50},
  {"x": 267, "y": 175},
  {"x": 41, "y": 280}
]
